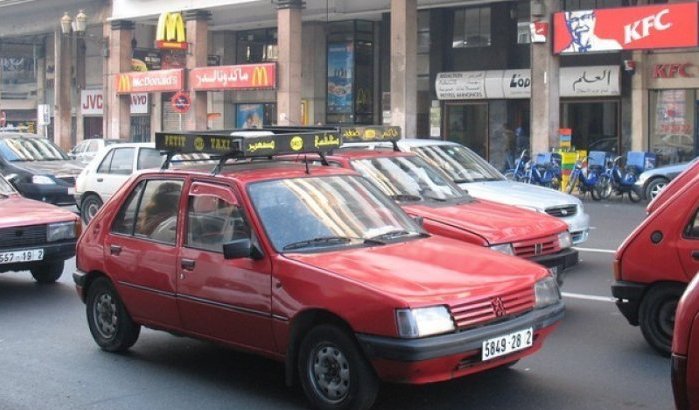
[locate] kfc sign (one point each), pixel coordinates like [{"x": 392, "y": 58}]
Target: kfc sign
[
  {"x": 672, "y": 70},
  {"x": 92, "y": 103},
  {"x": 628, "y": 28}
]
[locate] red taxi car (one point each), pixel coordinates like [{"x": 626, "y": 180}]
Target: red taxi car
[
  {"x": 34, "y": 235},
  {"x": 656, "y": 261},
  {"x": 685, "y": 350},
  {"x": 446, "y": 210},
  {"x": 311, "y": 266}
]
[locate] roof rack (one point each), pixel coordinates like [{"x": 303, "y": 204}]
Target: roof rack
[
  {"x": 352, "y": 133},
  {"x": 248, "y": 143}
]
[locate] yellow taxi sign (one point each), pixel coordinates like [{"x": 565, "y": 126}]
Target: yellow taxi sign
[{"x": 371, "y": 133}]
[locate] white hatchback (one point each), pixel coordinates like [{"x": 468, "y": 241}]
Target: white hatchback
[{"x": 483, "y": 181}]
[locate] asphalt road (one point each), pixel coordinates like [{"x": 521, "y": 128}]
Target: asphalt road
[{"x": 594, "y": 360}]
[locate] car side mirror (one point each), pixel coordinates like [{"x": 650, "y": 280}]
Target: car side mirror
[{"x": 241, "y": 248}]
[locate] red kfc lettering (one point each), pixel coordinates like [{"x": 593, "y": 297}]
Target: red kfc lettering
[
  {"x": 631, "y": 32},
  {"x": 659, "y": 71},
  {"x": 672, "y": 70}
]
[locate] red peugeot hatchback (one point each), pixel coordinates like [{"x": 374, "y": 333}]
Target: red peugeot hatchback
[{"x": 311, "y": 266}]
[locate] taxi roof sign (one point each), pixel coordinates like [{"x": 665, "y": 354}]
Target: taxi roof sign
[
  {"x": 371, "y": 133},
  {"x": 237, "y": 144}
]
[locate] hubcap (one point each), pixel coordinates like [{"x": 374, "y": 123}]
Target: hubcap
[
  {"x": 656, "y": 189},
  {"x": 329, "y": 371},
  {"x": 105, "y": 315},
  {"x": 666, "y": 317},
  {"x": 91, "y": 210}
]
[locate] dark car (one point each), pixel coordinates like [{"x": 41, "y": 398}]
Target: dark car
[
  {"x": 38, "y": 168},
  {"x": 35, "y": 236}
]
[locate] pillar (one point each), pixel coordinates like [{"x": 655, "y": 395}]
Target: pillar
[
  {"x": 545, "y": 97},
  {"x": 197, "y": 22},
  {"x": 118, "y": 107},
  {"x": 80, "y": 51},
  {"x": 40, "y": 81},
  {"x": 62, "y": 90},
  {"x": 404, "y": 66},
  {"x": 289, "y": 62},
  {"x": 639, "y": 103}
]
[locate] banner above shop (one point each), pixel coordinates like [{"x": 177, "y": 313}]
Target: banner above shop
[
  {"x": 92, "y": 103},
  {"x": 592, "y": 81},
  {"x": 149, "y": 81},
  {"x": 234, "y": 77},
  {"x": 627, "y": 28}
]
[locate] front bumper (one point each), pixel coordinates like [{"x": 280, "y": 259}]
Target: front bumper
[
  {"x": 52, "y": 253},
  {"x": 452, "y": 355},
  {"x": 57, "y": 194},
  {"x": 578, "y": 226},
  {"x": 628, "y": 299},
  {"x": 559, "y": 261}
]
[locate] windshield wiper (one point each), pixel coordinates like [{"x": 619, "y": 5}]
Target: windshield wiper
[
  {"x": 406, "y": 197},
  {"x": 330, "y": 241},
  {"x": 389, "y": 235},
  {"x": 434, "y": 198}
]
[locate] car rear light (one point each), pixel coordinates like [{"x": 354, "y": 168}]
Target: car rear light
[
  {"x": 617, "y": 269},
  {"x": 678, "y": 365}
]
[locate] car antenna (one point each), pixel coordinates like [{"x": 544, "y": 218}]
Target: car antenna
[{"x": 305, "y": 160}]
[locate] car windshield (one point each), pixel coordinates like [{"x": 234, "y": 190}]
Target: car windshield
[
  {"x": 408, "y": 179},
  {"x": 316, "y": 213},
  {"x": 30, "y": 149},
  {"x": 459, "y": 162},
  {"x": 5, "y": 187}
]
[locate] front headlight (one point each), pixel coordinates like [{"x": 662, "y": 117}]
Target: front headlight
[
  {"x": 42, "y": 180},
  {"x": 62, "y": 230},
  {"x": 565, "y": 240},
  {"x": 546, "y": 292},
  {"x": 505, "y": 248},
  {"x": 423, "y": 322}
]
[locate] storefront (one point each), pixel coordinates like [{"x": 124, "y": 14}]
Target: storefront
[{"x": 92, "y": 110}]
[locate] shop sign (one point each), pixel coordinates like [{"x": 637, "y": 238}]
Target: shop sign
[
  {"x": 92, "y": 103},
  {"x": 43, "y": 114},
  {"x": 149, "y": 81},
  {"x": 234, "y": 77},
  {"x": 460, "y": 85},
  {"x": 592, "y": 81},
  {"x": 539, "y": 31},
  {"x": 170, "y": 32},
  {"x": 213, "y": 60},
  {"x": 628, "y": 28},
  {"x": 672, "y": 70},
  {"x": 146, "y": 60}
]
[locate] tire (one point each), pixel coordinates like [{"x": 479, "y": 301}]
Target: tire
[
  {"x": 654, "y": 187},
  {"x": 47, "y": 272},
  {"x": 89, "y": 207},
  {"x": 604, "y": 187},
  {"x": 657, "y": 316},
  {"x": 333, "y": 372},
  {"x": 510, "y": 175},
  {"x": 109, "y": 322},
  {"x": 571, "y": 183},
  {"x": 634, "y": 194}
]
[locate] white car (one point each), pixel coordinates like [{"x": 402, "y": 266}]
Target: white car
[
  {"x": 483, "y": 181},
  {"x": 86, "y": 150}
]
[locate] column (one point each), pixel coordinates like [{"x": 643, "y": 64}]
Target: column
[
  {"x": 545, "y": 98},
  {"x": 639, "y": 103},
  {"x": 62, "y": 90},
  {"x": 289, "y": 62},
  {"x": 41, "y": 81},
  {"x": 118, "y": 115},
  {"x": 197, "y": 22},
  {"x": 80, "y": 50},
  {"x": 404, "y": 66}
]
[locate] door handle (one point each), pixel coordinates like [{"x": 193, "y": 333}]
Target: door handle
[
  {"x": 114, "y": 250},
  {"x": 100, "y": 179},
  {"x": 695, "y": 255},
  {"x": 187, "y": 264}
]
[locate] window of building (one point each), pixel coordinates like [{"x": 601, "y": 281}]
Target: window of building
[
  {"x": 592, "y": 4},
  {"x": 472, "y": 27},
  {"x": 523, "y": 17},
  {"x": 672, "y": 125},
  {"x": 423, "y": 50},
  {"x": 257, "y": 46}
]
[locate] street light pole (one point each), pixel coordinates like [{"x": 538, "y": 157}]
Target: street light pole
[{"x": 69, "y": 29}]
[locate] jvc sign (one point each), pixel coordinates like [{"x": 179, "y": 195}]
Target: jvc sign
[{"x": 92, "y": 103}]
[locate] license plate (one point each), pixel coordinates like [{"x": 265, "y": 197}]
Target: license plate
[
  {"x": 71, "y": 191},
  {"x": 22, "y": 256},
  {"x": 502, "y": 345}
]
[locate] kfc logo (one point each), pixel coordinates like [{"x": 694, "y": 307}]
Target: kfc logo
[
  {"x": 672, "y": 70},
  {"x": 631, "y": 32}
]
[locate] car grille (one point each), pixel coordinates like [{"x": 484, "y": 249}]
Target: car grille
[
  {"x": 537, "y": 247},
  {"x": 562, "y": 211},
  {"x": 23, "y": 236},
  {"x": 484, "y": 310},
  {"x": 68, "y": 180}
]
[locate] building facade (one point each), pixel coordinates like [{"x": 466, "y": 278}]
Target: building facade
[{"x": 487, "y": 74}]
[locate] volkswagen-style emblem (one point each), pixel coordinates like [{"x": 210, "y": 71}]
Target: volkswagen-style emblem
[
  {"x": 498, "y": 307},
  {"x": 564, "y": 212}
]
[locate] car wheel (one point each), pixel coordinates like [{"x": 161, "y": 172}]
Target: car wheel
[
  {"x": 603, "y": 187},
  {"x": 657, "y": 316},
  {"x": 89, "y": 207},
  {"x": 109, "y": 322},
  {"x": 510, "y": 175},
  {"x": 333, "y": 372},
  {"x": 654, "y": 187},
  {"x": 47, "y": 272},
  {"x": 634, "y": 194}
]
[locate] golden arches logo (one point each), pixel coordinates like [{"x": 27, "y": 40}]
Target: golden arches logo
[
  {"x": 171, "y": 28},
  {"x": 124, "y": 84},
  {"x": 259, "y": 77}
]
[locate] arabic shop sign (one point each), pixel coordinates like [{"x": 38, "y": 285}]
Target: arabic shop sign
[
  {"x": 512, "y": 84},
  {"x": 234, "y": 77}
]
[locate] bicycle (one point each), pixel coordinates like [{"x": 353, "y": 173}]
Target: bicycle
[
  {"x": 518, "y": 173},
  {"x": 585, "y": 179},
  {"x": 612, "y": 180},
  {"x": 546, "y": 171}
]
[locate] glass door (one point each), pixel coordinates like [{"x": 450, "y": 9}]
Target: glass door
[{"x": 467, "y": 124}]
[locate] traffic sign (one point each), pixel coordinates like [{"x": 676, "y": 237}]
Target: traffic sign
[{"x": 181, "y": 102}]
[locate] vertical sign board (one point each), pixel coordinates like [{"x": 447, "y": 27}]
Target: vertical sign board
[{"x": 340, "y": 70}]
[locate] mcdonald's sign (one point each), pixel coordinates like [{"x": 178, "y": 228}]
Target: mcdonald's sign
[
  {"x": 170, "y": 32},
  {"x": 234, "y": 77},
  {"x": 149, "y": 81}
]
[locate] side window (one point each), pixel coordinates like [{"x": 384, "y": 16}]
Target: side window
[
  {"x": 122, "y": 162},
  {"x": 692, "y": 230},
  {"x": 157, "y": 215},
  {"x": 213, "y": 220},
  {"x": 126, "y": 218},
  {"x": 149, "y": 158},
  {"x": 92, "y": 147},
  {"x": 106, "y": 163}
]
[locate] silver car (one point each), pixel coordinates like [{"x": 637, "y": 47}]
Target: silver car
[
  {"x": 482, "y": 180},
  {"x": 651, "y": 182}
]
